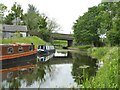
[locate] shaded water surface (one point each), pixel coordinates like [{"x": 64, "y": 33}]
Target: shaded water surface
[{"x": 64, "y": 69}]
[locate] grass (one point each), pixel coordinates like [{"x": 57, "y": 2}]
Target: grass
[
  {"x": 107, "y": 75},
  {"x": 33, "y": 39}
]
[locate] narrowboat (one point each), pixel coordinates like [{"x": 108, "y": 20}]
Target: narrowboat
[
  {"x": 12, "y": 55},
  {"x": 45, "y": 49}
]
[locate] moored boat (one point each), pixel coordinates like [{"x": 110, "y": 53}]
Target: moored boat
[
  {"x": 45, "y": 49},
  {"x": 13, "y": 54}
]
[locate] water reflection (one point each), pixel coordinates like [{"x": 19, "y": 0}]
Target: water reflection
[
  {"x": 83, "y": 67},
  {"x": 60, "y": 70},
  {"x": 44, "y": 58},
  {"x": 25, "y": 77},
  {"x": 60, "y": 53},
  {"x": 12, "y": 77}
]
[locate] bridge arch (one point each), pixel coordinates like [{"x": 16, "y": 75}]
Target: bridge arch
[{"x": 68, "y": 37}]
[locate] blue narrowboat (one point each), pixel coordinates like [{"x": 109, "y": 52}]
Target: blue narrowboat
[{"x": 45, "y": 49}]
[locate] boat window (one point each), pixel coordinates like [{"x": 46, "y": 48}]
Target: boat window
[
  {"x": 3, "y": 28},
  {"x": 10, "y": 50},
  {"x": 42, "y": 59},
  {"x": 45, "y": 47},
  {"x": 20, "y": 49},
  {"x": 30, "y": 48},
  {"x": 41, "y": 47}
]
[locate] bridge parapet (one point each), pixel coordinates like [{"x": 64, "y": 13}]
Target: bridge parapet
[{"x": 59, "y": 36}]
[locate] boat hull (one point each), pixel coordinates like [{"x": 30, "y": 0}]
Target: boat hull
[{"x": 18, "y": 61}]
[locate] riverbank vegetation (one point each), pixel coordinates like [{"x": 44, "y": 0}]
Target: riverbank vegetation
[
  {"x": 107, "y": 75},
  {"x": 33, "y": 39},
  {"x": 99, "y": 27}
]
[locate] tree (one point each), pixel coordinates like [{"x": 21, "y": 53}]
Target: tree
[
  {"x": 43, "y": 30},
  {"x": 52, "y": 27},
  {"x": 85, "y": 28},
  {"x": 9, "y": 18},
  {"x": 114, "y": 34},
  {"x": 3, "y": 8},
  {"x": 36, "y": 23},
  {"x": 31, "y": 19},
  {"x": 16, "y": 12},
  {"x": 101, "y": 19}
]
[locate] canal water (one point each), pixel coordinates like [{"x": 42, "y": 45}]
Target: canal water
[{"x": 62, "y": 69}]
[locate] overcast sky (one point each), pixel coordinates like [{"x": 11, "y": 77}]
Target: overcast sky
[{"x": 65, "y": 12}]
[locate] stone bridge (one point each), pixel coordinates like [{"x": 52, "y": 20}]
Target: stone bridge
[{"x": 59, "y": 36}]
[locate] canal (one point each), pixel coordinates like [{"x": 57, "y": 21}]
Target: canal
[{"x": 62, "y": 69}]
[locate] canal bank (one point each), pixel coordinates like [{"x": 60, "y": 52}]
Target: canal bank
[
  {"x": 28, "y": 40},
  {"x": 107, "y": 75}
]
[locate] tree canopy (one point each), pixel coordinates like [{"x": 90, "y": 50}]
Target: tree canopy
[
  {"x": 99, "y": 20},
  {"x": 3, "y": 8},
  {"x": 15, "y": 12}
]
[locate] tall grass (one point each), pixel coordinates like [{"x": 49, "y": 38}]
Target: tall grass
[
  {"x": 33, "y": 39},
  {"x": 107, "y": 76}
]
